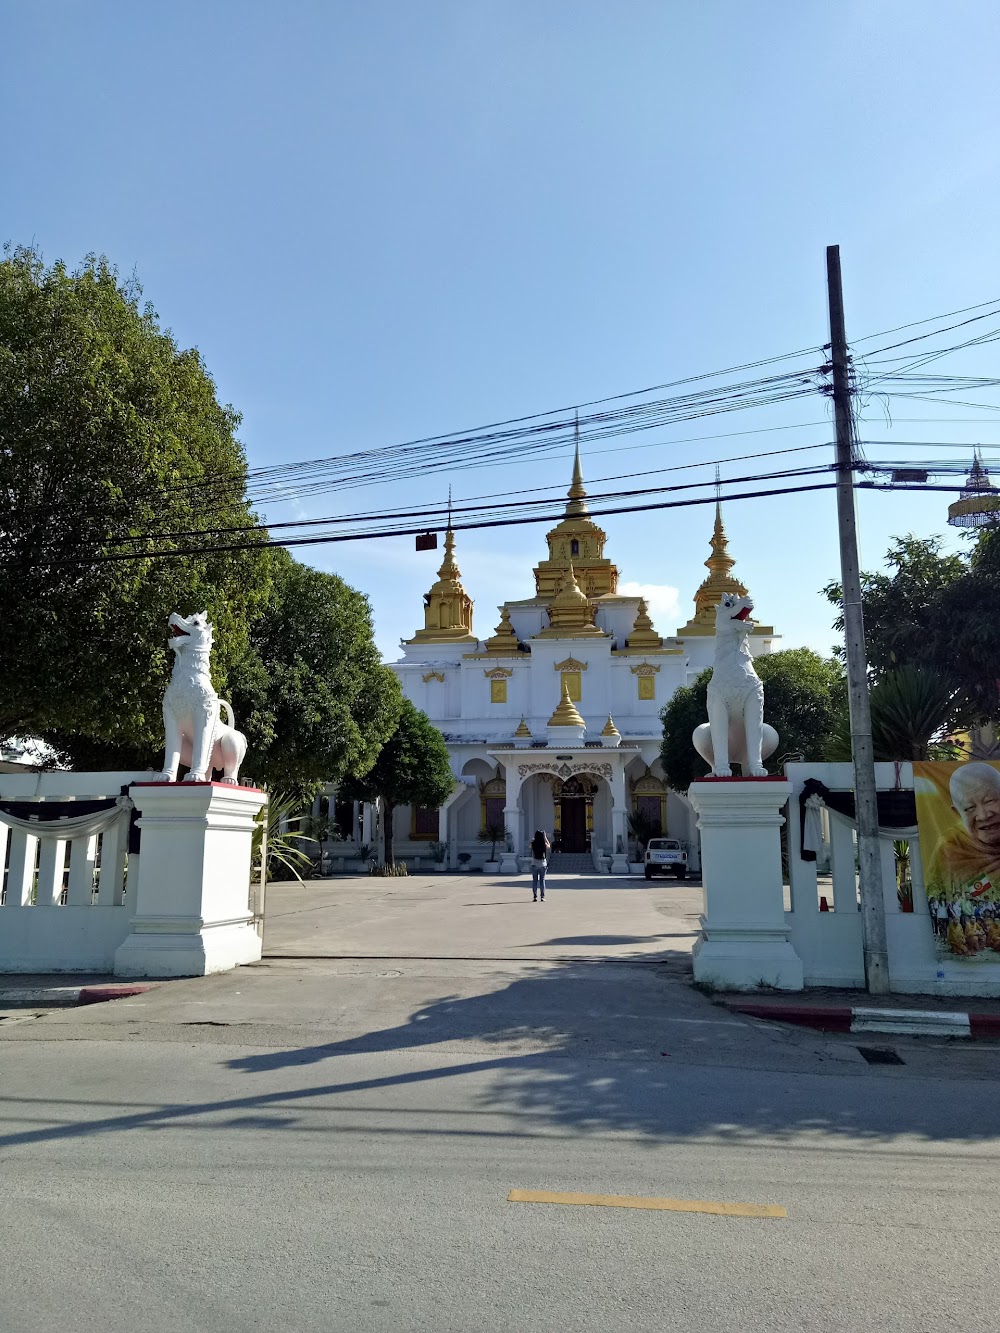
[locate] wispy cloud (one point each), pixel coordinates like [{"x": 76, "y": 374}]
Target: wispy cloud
[{"x": 663, "y": 602}]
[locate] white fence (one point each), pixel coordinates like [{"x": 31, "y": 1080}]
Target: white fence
[
  {"x": 830, "y": 942},
  {"x": 64, "y": 904}
]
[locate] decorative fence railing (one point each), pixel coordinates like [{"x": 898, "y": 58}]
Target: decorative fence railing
[
  {"x": 75, "y": 899},
  {"x": 64, "y": 902}
]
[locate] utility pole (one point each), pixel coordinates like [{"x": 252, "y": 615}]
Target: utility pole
[{"x": 865, "y": 804}]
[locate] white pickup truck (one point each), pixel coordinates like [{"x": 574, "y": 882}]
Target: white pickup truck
[{"x": 665, "y": 857}]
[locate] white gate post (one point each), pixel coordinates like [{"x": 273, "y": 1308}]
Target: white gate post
[
  {"x": 745, "y": 937},
  {"x": 191, "y": 910}
]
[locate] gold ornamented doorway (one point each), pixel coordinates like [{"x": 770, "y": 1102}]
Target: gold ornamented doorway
[{"x": 574, "y": 813}]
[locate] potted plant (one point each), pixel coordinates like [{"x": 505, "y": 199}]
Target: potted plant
[
  {"x": 463, "y": 860},
  {"x": 492, "y": 833},
  {"x": 641, "y": 828},
  {"x": 439, "y": 854},
  {"x": 366, "y": 855}
]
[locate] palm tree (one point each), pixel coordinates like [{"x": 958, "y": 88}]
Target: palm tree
[{"x": 911, "y": 709}]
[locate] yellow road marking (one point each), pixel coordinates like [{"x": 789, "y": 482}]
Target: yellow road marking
[{"x": 658, "y": 1205}]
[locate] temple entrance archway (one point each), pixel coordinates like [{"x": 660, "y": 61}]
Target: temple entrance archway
[{"x": 574, "y": 811}]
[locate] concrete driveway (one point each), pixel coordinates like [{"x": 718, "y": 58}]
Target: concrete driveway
[{"x": 481, "y": 917}]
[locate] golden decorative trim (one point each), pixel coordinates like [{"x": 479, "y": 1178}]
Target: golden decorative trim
[
  {"x": 571, "y": 664},
  {"x": 644, "y": 669},
  {"x": 497, "y": 673},
  {"x": 433, "y": 675}
]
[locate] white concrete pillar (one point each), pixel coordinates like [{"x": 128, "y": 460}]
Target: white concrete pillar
[
  {"x": 191, "y": 907},
  {"x": 745, "y": 937},
  {"x": 619, "y": 815},
  {"x": 513, "y": 818}
]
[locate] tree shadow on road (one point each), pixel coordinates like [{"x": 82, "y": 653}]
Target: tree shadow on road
[{"x": 582, "y": 1047}]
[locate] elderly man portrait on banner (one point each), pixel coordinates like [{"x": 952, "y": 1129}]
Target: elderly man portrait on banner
[{"x": 963, "y": 867}]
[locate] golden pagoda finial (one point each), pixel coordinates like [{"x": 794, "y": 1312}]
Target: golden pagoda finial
[
  {"x": 449, "y": 569},
  {"x": 505, "y": 639},
  {"x": 447, "y": 607},
  {"x": 523, "y": 730},
  {"x": 609, "y": 728},
  {"x": 566, "y": 714},
  {"x": 643, "y": 635},
  {"x": 576, "y": 494},
  {"x": 720, "y": 581},
  {"x": 571, "y": 615}
]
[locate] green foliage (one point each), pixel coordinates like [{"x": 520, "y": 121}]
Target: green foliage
[
  {"x": 901, "y": 608},
  {"x": 106, "y": 430},
  {"x": 911, "y": 709},
  {"x": 412, "y": 768},
  {"x": 803, "y": 693},
  {"x": 312, "y": 694},
  {"x": 492, "y": 833},
  {"x": 112, "y": 440},
  {"x": 438, "y": 851},
  {"x": 642, "y": 828},
  {"x": 281, "y": 819},
  {"x": 391, "y": 870},
  {"x": 939, "y": 612}
]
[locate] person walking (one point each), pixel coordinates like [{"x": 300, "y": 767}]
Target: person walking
[{"x": 539, "y": 861}]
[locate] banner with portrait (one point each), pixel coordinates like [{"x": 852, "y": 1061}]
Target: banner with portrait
[{"x": 958, "y": 818}]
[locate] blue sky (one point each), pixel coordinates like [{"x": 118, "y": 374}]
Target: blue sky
[{"x": 380, "y": 221}]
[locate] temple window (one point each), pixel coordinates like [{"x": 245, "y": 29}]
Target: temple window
[
  {"x": 571, "y": 680},
  {"x": 493, "y": 799},
  {"x": 647, "y": 687},
  {"x": 574, "y": 547},
  {"x": 498, "y": 691},
  {"x": 424, "y": 824}
]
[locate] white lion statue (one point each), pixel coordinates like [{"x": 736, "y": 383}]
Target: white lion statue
[
  {"x": 735, "y": 731},
  {"x": 195, "y": 732}
]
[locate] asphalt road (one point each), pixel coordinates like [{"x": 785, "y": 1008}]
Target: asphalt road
[{"x": 329, "y": 1144}]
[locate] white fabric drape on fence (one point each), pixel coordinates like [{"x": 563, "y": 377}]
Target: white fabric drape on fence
[{"x": 69, "y": 826}]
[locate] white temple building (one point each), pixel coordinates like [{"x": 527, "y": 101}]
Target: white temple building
[{"x": 553, "y": 721}]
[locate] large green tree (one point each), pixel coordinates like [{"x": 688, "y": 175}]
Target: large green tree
[
  {"x": 112, "y": 440},
  {"x": 412, "y": 768},
  {"x": 112, "y": 443},
  {"x": 940, "y": 612},
  {"x": 312, "y": 694},
  {"x": 803, "y": 694}
]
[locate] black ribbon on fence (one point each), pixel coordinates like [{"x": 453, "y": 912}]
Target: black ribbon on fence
[
  {"x": 51, "y": 812},
  {"x": 896, "y": 809}
]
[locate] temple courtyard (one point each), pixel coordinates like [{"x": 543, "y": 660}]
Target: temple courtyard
[{"x": 353, "y": 1133}]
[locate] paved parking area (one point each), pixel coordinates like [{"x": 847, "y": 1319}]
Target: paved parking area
[{"x": 481, "y": 916}]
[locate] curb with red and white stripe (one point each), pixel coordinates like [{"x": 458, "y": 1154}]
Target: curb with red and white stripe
[
  {"x": 897, "y": 1022},
  {"x": 58, "y": 997}
]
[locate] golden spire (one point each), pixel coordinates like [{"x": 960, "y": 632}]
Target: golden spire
[
  {"x": 719, "y": 581},
  {"x": 566, "y": 714},
  {"x": 505, "y": 638},
  {"x": 576, "y": 494},
  {"x": 449, "y": 569},
  {"x": 570, "y": 614},
  {"x": 578, "y": 540},
  {"x": 609, "y": 728},
  {"x": 523, "y": 730},
  {"x": 643, "y": 635},
  {"x": 447, "y": 607}
]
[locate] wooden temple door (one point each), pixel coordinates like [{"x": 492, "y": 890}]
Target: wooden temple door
[{"x": 574, "y": 824}]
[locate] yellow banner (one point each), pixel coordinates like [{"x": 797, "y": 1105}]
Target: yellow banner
[{"x": 958, "y": 816}]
